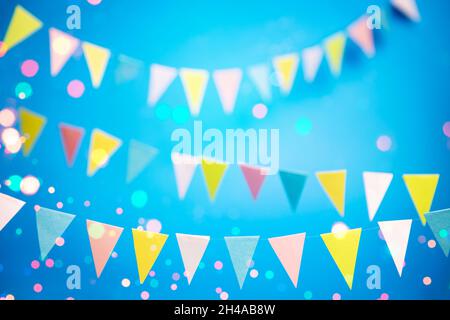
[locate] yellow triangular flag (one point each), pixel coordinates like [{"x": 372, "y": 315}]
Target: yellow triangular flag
[
  {"x": 343, "y": 247},
  {"x": 194, "y": 82},
  {"x": 286, "y": 69},
  {"x": 102, "y": 147},
  {"x": 97, "y": 59},
  {"x": 421, "y": 188},
  {"x": 23, "y": 24},
  {"x": 213, "y": 172},
  {"x": 333, "y": 183},
  {"x": 334, "y": 49},
  {"x": 31, "y": 126},
  {"x": 147, "y": 246}
]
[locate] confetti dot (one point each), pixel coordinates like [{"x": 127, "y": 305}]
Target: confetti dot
[
  {"x": 70, "y": 200},
  {"x": 336, "y": 296},
  {"x": 29, "y": 68},
  {"x": 119, "y": 211},
  {"x": 443, "y": 233},
  {"x": 19, "y": 231},
  {"x": 23, "y": 90},
  {"x": 87, "y": 203},
  {"x": 13, "y": 183},
  {"x": 145, "y": 295},
  {"x": 35, "y": 264},
  {"x": 235, "y": 231},
  {"x": 422, "y": 239},
  {"x": 218, "y": 265},
  {"x": 180, "y": 115},
  {"x": 59, "y": 205},
  {"x": 173, "y": 287},
  {"x": 259, "y": 111},
  {"x": 176, "y": 276},
  {"x": 38, "y": 288},
  {"x": 218, "y": 290},
  {"x": 7, "y": 117},
  {"x": 152, "y": 273},
  {"x": 308, "y": 295},
  {"x": 431, "y": 244},
  {"x": 153, "y": 225},
  {"x": 154, "y": 283},
  {"x": 162, "y": 112},
  {"x": 49, "y": 263},
  {"x": 126, "y": 283},
  {"x": 269, "y": 275},
  {"x": 96, "y": 230},
  {"x": 29, "y": 185},
  {"x": 384, "y": 296},
  {"x": 224, "y": 295},
  {"x": 303, "y": 126},
  {"x": 51, "y": 190},
  {"x": 12, "y": 140},
  {"x": 114, "y": 255},
  {"x": 94, "y": 2},
  {"x": 75, "y": 88},
  {"x": 427, "y": 281},
  {"x": 339, "y": 229},
  {"x": 139, "y": 199},
  {"x": 254, "y": 273},
  {"x": 384, "y": 143},
  {"x": 446, "y": 129}
]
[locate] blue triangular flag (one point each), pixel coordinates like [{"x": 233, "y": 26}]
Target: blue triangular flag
[
  {"x": 241, "y": 251},
  {"x": 439, "y": 223},
  {"x": 139, "y": 156},
  {"x": 293, "y": 184},
  {"x": 51, "y": 224}
]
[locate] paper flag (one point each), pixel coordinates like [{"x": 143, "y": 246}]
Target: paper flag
[
  {"x": 9, "y": 207},
  {"x": 22, "y": 25},
  {"x": 97, "y": 60},
  {"x": 213, "y": 172},
  {"x": 254, "y": 177},
  {"x": 127, "y": 69},
  {"x": 362, "y": 35},
  {"x": 343, "y": 247},
  {"x": 311, "y": 60},
  {"x": 333, "y": 183},
  {"x": 293, "y": 184},
  {"x": 286, "y": 69},
  {"x": 289, "y": 250},
  {"x": 227, "y": 83},
  {"x": 147, "y": 246},
  {"x": 375, "y": 185},
  {"x": 71, "y": 137},
  {"x": 396, "y": 234},
  {"x": 421, "y": 188},
  {"x": 241, "y": 250},
  {"x": 192, "y": 249},
  {"x": 31, "y": 126},
  {"x": 103, "y": 238},
  {"x": 439, "y": 223},
  {"x": 139, "y": 156},
  {"x": 51, "y": 224},
  {"x": 334, "y": 51},
  {"x": 62, "y": 47},
  {"x": 101, "y": 149},
  {"x": 408, "y": 8},
  {"x": 260, "y": 76},
  {"x": 184, "y": 167},
  {"x": 161, "y": 78},
  {"x": 194, "y": 83}
]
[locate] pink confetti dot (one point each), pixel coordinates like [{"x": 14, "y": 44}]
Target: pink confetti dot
[
  {"x": 446, "y": 129},
  {"x": 114, "y": 255},
  {"x": 431, "y": 244},
  {"x": 427, "y": 281},
  {"x": 384, "y": 296},
  {"x": 87, "y": 203},
  {"x": 218, "y": 290},
  {"x": 153, "y": 225},
  {"x": 94, "y": 2},
  {"x": 75, "y": 88},
  {"x": 336, "y": 296},
  {"x": 224, "y": 295},
  {"x": 152, "y": 273},
  {"x": 176, "y": 276},
  {"x": 173, "y": 287},
  {"x": 126, "y": 283},
  {"x": 59, "y": 205},
  {"x": 59, "y": 241},
  {"x": 38, "y": 288},
  {"x": 384, "y": 143},
  {"x": 145, "y": 295},
  {"x": 35, "y": 264},
  {"x": 70, "y": 298},
  {"x": 259, "y": 111},
  {"x": 218, "y": 265},
  {"x": 37, "y": 207},
  {"x": 254, "y": 273},
  {"x": 119, "y": 211},
  {"x": 29, "y": 68},
  {"x": 421, "y": 239},
  {"x": 49, "y": 263}
]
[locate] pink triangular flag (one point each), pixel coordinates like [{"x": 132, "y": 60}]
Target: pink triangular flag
[
  {"x": 160, "y": 79},
  {"x": 362, "y": 35},
  {"x": 289, "y": 250},
  {"x": 103, "y": 238},
  {"x": 312, "y": 58},
  {"x": 192, "y": 249},
  {"x": 408, "y": 8},
  {"x": 62, "y": 47},
  {"x": 254, "y": 177},
  {"x": 184, "y": 167},
  {"x": 9, "y": 207},
  {"x": 227, "y": 82}
]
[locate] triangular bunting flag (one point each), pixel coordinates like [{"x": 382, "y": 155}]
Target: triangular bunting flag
[
  {"x": 184, "y": 167},
  {"x": 254, "y": 177},
  {"x": 103, "y": 238},
  {"x": 408, "y": 8},
  {"x": 311, "y": 60},
  {"x": 22, "y": 25},
  {"x": 241, "y": 250},
  {"x": 286, "y": 69},
  {"x": 127, "y": 69},
  {"x": 227, "y": 83},
  {"x": 289, "y": 250},
  {"x": 51, "y": 224},
  {"x": 71, "y": 139},
  {"x": 97, "y": 60},
  {"x": 439, "y": 223},
  {"x": 101, "y": 149},
  {"x": 375, "y": 185},
  {"x": 62, "y": 47},
  {"x": 9, "y": 207},
  {"x": 213, "y": 172},
  {"x": 421, "y": 188},
  {"x": 147, "y": 246},
  {"x": 194, "y": 83},
  {"x": 31, "y": 126},
  {"x": 160, "y": 79},
  {"x": 192, "y": 249},
  {"x": 343, "y": 247},
  {"x": 396, "y": 234},
  {"x": 333, "y": 183},
  {"x": 334, "y": 50},
  {"x": 362, "y": 35},
  {"x": 293, "y": 184},
  {"x": 139, "y": 156},
  {"x": 260, "y": 75}
]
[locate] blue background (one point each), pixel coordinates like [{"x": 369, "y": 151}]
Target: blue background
[{"x": 403, "y": 93}]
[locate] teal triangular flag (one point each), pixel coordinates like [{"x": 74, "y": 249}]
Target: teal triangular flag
[
  {"x": 51, "y": 224},
  {"x": 139, "y": 156},
  {"x": 241, "y": 251},
  {"x": 293, "y": 184},
  {"x": 439, "y": 223}
]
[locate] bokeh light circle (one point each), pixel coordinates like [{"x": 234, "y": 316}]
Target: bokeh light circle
[
  {"x": 446, "y": 129},
  {"x": 259, "y": 111},
  {"x": 427, "y": 281},
  {"x": 29, "y": 68},
  {"x": 7, "y": 117},
  {"x": 139, "y": 199},
  {"x": 153, "y": 225},
  {"x": 23, "y": 90},
  {"x": 30, "y": 185},
  {"x": 384, "y": 143},
  {"x": 75, "y": 88},
  {"x": 303, "y": 126},
  {"x": 94, "y": 2}
]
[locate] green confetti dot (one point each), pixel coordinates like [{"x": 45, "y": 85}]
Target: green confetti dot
[
  {"x": 201, "y": 265},
  {"x": 235, "y": 231},
  {"x": 139, "y": 199},
  {"x": 162, "y": 112},
  {"x": 14, "y": 183},
  {"x": 180, "y": 115},
  {"x": 23, "y": 90},
  {"x": 154, "y": 283},
  {"x": 303, "y": 126},
  {"x": 19, "y": 231},
  {"x": 443, "y": 233},
  {"x": 269, "y": 275},
  {"x": 308, "y": 295}
]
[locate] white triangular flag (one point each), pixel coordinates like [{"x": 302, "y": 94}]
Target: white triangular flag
[
  {"x": 260, "y": 75},
  {"x": 408, "y": 8},
  {"x": 227, "y": 82},
  {"x": 184, "y": 167},
  {"x": 192, "y": 249},
  {"x": 375, "y": 185},
  {"x": 9, "y": 207},
  {"x": 160, "y": 79},
  {"x": 311, "y": 60}
]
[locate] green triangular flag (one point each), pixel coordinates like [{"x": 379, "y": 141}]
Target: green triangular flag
[
  {"x": 139, "y": 156},
  {"x": 241, "y": 250},
  {"x": 439, "y": 223},
  {"x": 293, "y": 184}
]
